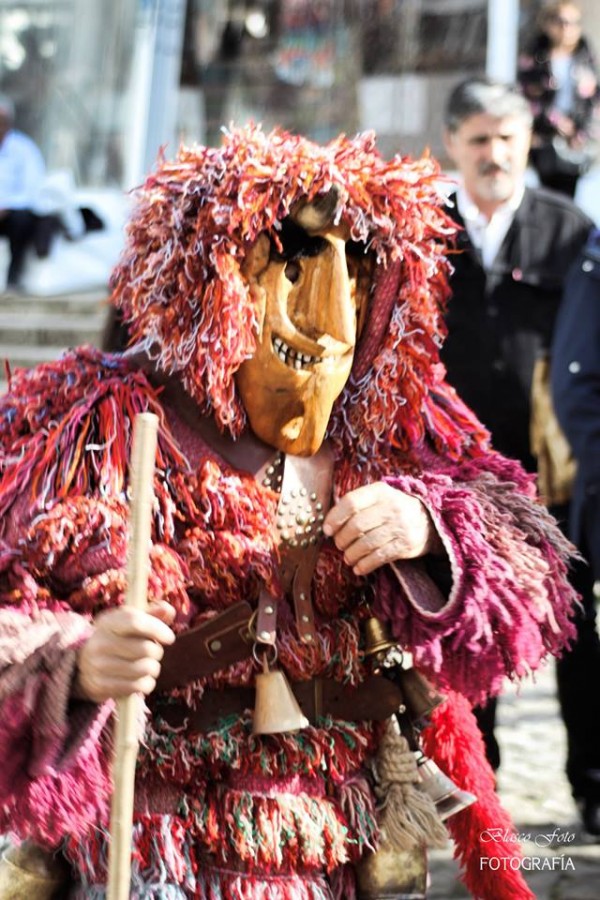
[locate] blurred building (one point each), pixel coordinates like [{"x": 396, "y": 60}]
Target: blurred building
[{"x": 101, "y": 84}]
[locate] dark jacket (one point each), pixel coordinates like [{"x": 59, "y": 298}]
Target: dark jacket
[
  {"x": 576, "y": 390},
  {"x": 499, "y": 321}
]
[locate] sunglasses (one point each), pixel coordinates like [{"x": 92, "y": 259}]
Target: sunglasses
[{"x": 565, "y": 23}]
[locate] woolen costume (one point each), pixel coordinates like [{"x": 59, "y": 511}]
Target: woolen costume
[{"x": 222, "y": 812}]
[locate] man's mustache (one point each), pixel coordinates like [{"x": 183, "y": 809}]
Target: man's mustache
[{"x": 494, "y": 168}]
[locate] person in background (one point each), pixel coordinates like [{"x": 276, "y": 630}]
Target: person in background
[
  {"x": 22, "y": 173},
  {"x": 576, "y": 393},
  {"x": 517, "y": 245},
  {"x": 559, "y": 77}
]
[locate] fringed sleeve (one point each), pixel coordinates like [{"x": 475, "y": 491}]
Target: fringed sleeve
[
  {"x": 54, "y": 774},
  {"x": 65, "y": 434},
  {"x": 55, "y": 779},
  {"x": 510, "y": 601}
]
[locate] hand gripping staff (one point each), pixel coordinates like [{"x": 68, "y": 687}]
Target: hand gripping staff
[{"x": 126, "y": 740}]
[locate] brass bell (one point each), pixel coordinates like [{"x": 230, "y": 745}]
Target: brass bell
[
  {"x": 393, "y": 873},
  {"x": 447, "y": 797},
  {"x": 275, "y": 707},
  {"x": 420, "y": 697},
  {"x": 377, "y": 637},
  {"x": 32, "y": 872}
]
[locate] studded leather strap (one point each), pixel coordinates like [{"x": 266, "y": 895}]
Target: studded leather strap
[
  {"x": 266, "y": 620},
  {"x": 305, "y": 499}
]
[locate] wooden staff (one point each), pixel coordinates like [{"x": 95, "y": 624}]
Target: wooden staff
[{"x": 126, "y": 736}]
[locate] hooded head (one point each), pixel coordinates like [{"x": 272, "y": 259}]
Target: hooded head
[{"x": 292, "y": 288}]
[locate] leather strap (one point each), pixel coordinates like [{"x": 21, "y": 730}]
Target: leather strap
[
  {"x": 213, "y": 645},
  {"x": 266, "y": 620},
  {"x": 306, "y": 492},
  {"x": 375, "y": 699}
]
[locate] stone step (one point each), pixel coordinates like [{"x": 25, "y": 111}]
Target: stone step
[
  {"x": 46, "y": 329},
  {"x": 82, "y": 303}
]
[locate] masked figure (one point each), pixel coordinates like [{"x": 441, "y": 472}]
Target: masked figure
[{"x": 326, "y": 508}]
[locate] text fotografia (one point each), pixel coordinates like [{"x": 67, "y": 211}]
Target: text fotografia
[
  {"x": 547, "y": 839},
  {"x": 527, "y": 863}
]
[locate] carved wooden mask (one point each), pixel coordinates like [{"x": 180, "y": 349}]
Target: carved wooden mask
[{"x": 311, "y": 297}]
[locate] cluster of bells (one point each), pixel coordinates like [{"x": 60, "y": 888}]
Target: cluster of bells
[{"x": 277, "y": 710}]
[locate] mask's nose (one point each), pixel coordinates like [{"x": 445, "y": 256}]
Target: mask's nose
[{"x": 322, "y": 300}]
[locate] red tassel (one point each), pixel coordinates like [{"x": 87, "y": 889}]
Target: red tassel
[{"x": 483, "y": 832}]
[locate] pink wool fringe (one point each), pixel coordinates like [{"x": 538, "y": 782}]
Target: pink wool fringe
[
  {"x": 56, "y": 803},
  {"x": 510, "y": 602}
]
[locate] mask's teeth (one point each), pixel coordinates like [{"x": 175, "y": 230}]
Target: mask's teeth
[{"x": 293, "y": 358}]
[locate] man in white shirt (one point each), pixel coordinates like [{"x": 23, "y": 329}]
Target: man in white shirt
[
  {"x": 21, "y": 177},
  {"x": 517, "y": 245}
]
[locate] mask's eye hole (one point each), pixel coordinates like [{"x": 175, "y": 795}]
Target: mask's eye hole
[
  {"x": 356, "y": 250},
  {"x": 292, "y": 271},
  {"x": 295, "y": 242}
]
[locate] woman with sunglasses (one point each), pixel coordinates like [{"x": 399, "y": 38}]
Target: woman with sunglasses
[{"x": 559, "y": 77}]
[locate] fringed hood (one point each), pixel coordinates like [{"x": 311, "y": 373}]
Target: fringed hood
[{"x": 182, "y": 291}]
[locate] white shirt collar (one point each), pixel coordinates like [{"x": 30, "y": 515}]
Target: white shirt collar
[
  {"x": 486, "y": 234},
  {"x": 470, "y": 211}
]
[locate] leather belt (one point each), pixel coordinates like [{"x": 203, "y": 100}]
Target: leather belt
[{"x": 375, "y": 699}]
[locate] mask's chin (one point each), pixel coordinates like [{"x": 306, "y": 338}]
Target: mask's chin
[
  {"x": 284, "y": 421},
  {"x": 289, "y": 406},
  {"x": 299, "y": 436}
]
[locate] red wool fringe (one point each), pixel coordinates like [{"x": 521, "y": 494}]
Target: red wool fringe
[{"x": 454, "y": 742}]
